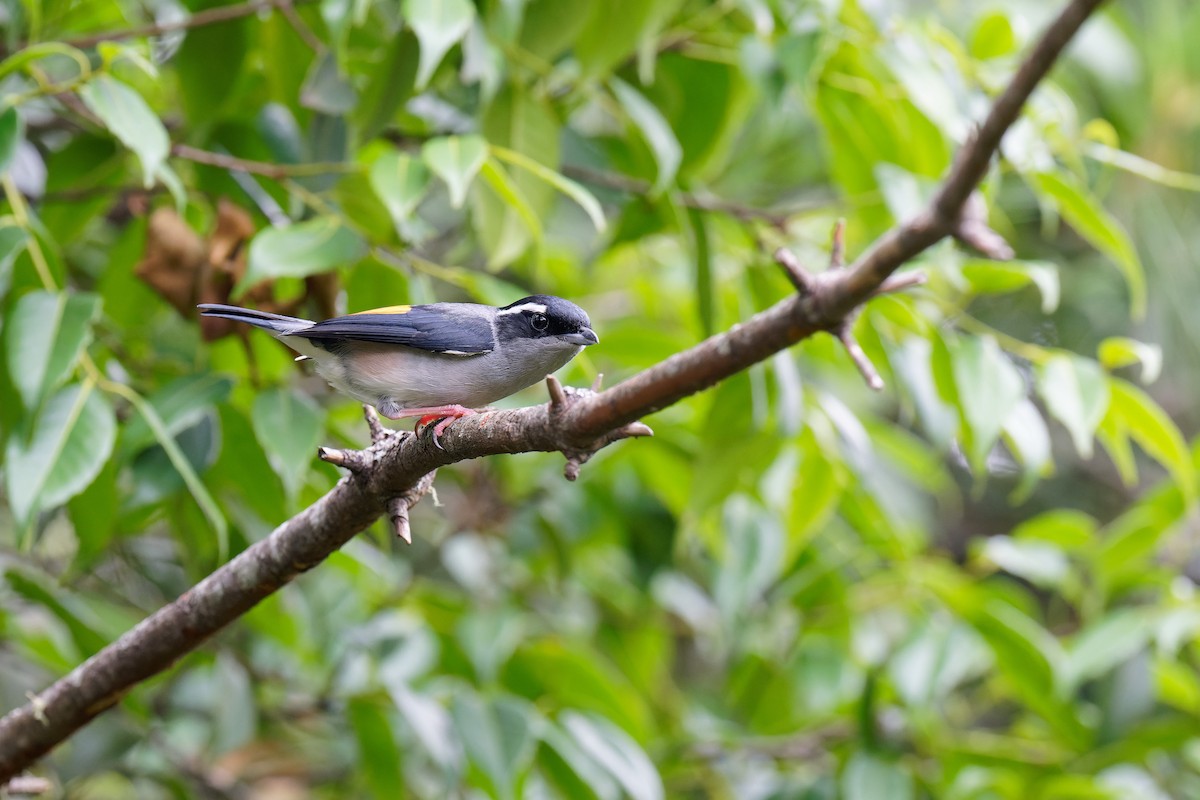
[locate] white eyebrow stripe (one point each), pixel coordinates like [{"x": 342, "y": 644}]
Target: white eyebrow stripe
[{"x": 536, "y": 307}]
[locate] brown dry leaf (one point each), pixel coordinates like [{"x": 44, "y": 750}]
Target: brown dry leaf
[
  {"x": 186, "y": 270},
  {"x": 174, "y": 259},
  {"x": 225, "y": 266}
]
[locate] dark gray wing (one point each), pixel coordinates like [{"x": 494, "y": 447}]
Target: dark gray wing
[{"x": 459, "y": 328}]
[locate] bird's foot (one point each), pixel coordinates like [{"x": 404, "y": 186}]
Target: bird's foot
[{"x": 447, "y": 414}]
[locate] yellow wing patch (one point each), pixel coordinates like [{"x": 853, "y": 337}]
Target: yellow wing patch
[{"x": 385, "y": 310}]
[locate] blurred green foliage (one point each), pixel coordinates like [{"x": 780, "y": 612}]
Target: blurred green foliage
[{"x": 798, "y": 588}]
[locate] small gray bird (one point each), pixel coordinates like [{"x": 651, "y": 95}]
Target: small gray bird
[{"x": 441, "y": 360}]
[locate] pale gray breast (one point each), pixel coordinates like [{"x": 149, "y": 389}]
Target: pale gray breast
[{"x": 420, "y": 378}]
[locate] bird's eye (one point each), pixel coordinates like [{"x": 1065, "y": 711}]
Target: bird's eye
[{"x": 539, "y": 322}]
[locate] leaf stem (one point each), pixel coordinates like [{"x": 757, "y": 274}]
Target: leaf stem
[
  {"x": 208, "y": 506},
  {"x": 21, "y": 215}
]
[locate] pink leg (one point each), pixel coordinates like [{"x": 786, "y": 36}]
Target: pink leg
[{"x": 446, "y": 414}]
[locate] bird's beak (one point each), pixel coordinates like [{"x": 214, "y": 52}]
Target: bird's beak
[{"x": 584, "y": 337}]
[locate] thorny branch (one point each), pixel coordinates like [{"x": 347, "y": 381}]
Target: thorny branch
[{"x": 577, "y": 423}]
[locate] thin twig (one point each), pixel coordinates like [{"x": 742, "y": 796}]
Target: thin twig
[
  {"x": 637, "y": 186},
  {"x": 973, "y": 231},
  {"x": 276, "y": 172},
  {"x": 837, "y": 250},
  {"x": 211, "y": 16},
  {"x": 860, "y": 359},
  {"x": 899, "y": 283},
  {"x": 378, "y": 432},
  {"x": 801, "y": 278},
  {"x": 288, "y": 9}
]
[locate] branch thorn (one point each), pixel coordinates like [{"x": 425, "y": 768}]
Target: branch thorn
[
  {"x": 558, "y": 396},
  {"x": 899, "y": 283},
  {"x": 795, "y": 271},
  {"x": 348, "y": 459},
  {"x": 972, "y": 230},
  {"x": 869, "y": 373},
  {"x": 837, "y": 250},
  {"x": 398, "y": 506},
  {"x": 378, "y": 432},
  {"x": 398, "y": 513},
  {"x": 26, "y": 786}
]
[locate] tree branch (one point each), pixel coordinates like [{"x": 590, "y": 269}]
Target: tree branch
[{"x": 577, "y": 423}]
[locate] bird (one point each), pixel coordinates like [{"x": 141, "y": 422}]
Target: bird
[{"x": 433, "y": 361}]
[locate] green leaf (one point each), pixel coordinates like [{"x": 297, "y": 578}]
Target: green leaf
[
  {"x": 12, "y": 244},
  {"x": 617, "y": 752},
  {"x": 456, "y": 160},
  {"x": 182, "y": 465},
  {"x": 209, "y": 65},
  {"x": 235, "y": 717},
  {"x": 10, "y": 137},
  {"x": 1075, "y": 391},
  {"x": 497, "y": 737},
  {"x": 1039, "y": 562},
  {"x": 704, "y": 276},
  {"x": 45, "y": 336},
  {"x": 616, "y": 28},
  {"x": 400, "y": 181},
  {"x": 1118, "y": 351},
  {"x": 573, "y": 772},
  {"x": 993, "y": 37},
  {"x": 525, "y": 123},
  {"x": 508, "y": 191},
  {"x": 1067, "y": 528},
  {"x": 1024, "y": 649},
  {"x": 1135, "y": 413},
  {"x": 994, "y": 277},
  {"x": 70, "y": 441},
  {"x": 326, "y": 89},
  {"x": 579, "y": 679},
  {"x": 1026, "y": 435},
  {"x": 378, "y": 756},
  {"x": 439, "y": 25},
  {"x": 550, "y": 26},
  {"x": 93, "y": 514},
  {"x": 27, "y": 55},
  {"x": 288, "y": 425},
  {"x": 655, "y": 129},
  {"x": 305, "y": 248},
  {"x": 1103, "y": 645},
  {"x": 389, "y": 85},
  {"x": 75, "y": 616},
  {"x": 586, "y": 200},
  {"x": 127, "y": 117},
  {"x": 989, "y": 388},
  {"x": 870, "y": 777},
  {"x": 754, "y": 544},
  {"x": 180, "y": 405},
  {"x": 1101, "y": 229}
]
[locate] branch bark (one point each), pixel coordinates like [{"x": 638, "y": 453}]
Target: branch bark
[{"x": 577, "y": 423}]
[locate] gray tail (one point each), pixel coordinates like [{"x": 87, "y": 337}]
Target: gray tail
[{"x": 275, "y": 323}]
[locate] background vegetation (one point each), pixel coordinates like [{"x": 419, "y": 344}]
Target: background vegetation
[{"x": 978, "y": 583}]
